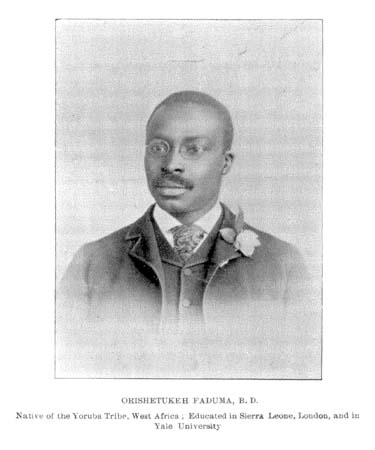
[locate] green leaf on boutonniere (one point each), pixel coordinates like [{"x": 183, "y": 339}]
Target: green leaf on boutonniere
[{"x": 239, "y": 221}]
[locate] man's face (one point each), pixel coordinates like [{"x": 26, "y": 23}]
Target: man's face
[{"x": 185, "y": 159}]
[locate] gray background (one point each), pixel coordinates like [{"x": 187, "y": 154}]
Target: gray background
[{"x": 111, "y": 74}]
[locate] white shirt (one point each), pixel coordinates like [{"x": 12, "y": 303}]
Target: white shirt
[{"x": 166, "y": 222}]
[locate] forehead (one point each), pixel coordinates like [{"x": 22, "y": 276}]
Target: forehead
[{"x": 184, "y": 120}]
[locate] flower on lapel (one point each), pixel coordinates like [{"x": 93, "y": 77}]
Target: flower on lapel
[
  {"x": 246, "y": 241},
  {"x": 243, "y": 240}
]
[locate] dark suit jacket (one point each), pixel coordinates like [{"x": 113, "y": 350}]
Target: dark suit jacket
[{"x": 261, "y": 320}]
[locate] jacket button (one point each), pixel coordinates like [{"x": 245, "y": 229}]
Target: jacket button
[
  {"x": 188, "y": 271},
  {"x": 186, "y": 303}
]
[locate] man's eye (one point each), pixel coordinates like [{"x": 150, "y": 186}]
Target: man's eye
[
  {"x": 194, "y": 149},
  {"x": 159, "y": 148}
]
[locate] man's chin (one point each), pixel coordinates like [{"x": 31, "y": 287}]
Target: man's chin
[{"x": 172, "y": 204}]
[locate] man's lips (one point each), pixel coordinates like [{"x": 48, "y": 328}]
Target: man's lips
[
  {"x": 170, "y": 185},
  {"x": 168, "y": 189}
]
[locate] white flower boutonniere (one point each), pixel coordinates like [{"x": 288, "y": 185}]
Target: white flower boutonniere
[{"x": 243, "y": 240}]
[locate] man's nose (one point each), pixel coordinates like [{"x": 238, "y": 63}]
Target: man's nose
[{"x": 174, "y": 162}]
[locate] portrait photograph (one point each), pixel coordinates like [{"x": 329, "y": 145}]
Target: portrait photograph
[{"x": 188, "y": 199}]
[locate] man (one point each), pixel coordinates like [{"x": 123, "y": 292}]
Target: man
[{"x": 189, "y": 289}]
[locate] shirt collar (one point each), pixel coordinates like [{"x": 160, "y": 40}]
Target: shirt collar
[{"x": 207, "y": 222}]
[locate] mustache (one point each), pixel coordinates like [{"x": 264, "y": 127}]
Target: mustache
[{"x": 172, "y": 178}]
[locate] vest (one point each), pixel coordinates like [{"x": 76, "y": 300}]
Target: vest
[{"x": 185, "y": 282}]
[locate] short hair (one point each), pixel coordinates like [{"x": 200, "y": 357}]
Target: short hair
[{"x": 200, "y": 98}]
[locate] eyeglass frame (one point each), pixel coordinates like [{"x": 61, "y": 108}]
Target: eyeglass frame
[{"x": 204, "y": 149}]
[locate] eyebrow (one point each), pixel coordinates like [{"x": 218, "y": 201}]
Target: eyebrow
[
  {"x": 187, "y": 138},
  {"x": 194, "y": 138}
]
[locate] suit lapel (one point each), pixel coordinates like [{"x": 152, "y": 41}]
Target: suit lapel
[
  {"x": 145, "y": 248},
  {"x": 223, "y": 251}
]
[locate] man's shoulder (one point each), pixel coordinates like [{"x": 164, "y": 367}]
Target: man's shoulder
[
  {"x": 271, "y": 242},
  {"x": 274, "y": 249},
  {"x": 268, "y": 242},
  {"x": 114, "y": 243}
]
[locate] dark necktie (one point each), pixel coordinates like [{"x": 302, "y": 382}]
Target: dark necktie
[{"x": 185, "y": 239}]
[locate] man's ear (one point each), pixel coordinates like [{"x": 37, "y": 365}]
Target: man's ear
[{"x": 228, "y": 160}]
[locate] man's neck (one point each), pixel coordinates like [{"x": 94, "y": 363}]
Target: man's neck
[
  {"x": 188, "y": 218},
  {"x": 166, "y": 222}
]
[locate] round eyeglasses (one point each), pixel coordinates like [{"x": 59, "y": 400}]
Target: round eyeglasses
[{"x": 158, "y": 148}]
